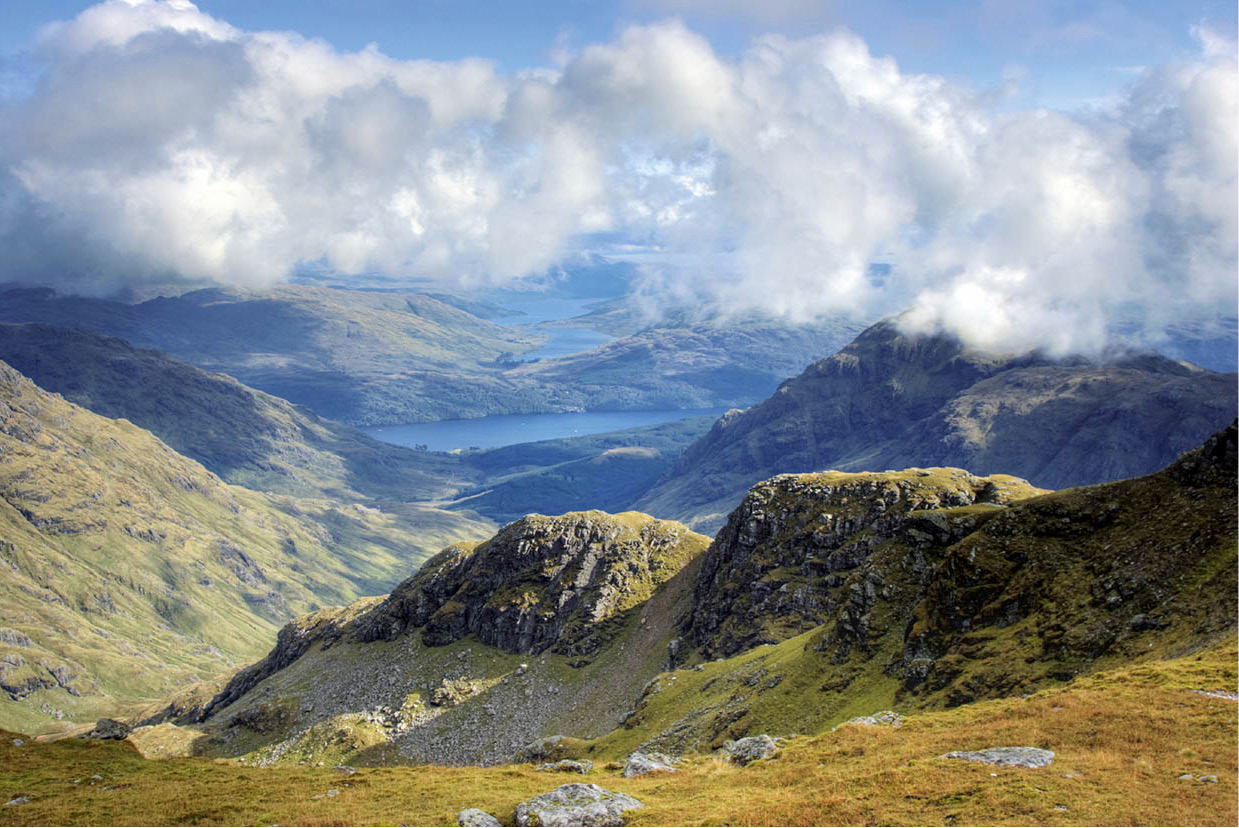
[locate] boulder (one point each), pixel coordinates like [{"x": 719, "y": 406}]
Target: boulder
[
  {"x": 885, "y": 718},
  {"x": 750, "y": 749},
  {"x": 576, "y": 804},
  {"x": 476, "y": 818},
  {"x": 568, "y": 766},
  {"x": 109, "y": 729},
  {"x": 1014, "y": 757},
  {"x": 639, "y": 764}
]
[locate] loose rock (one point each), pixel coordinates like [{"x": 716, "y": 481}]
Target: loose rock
[
  {"x": 576, "y": 804},
  {"x": 750, "y": 749},
  {"x": 567, "y": 766},
  {"x": 1015, "y": 757},
  {"x": 22, "y": 800},
  {"x": 639, "y": 764},
  {"x": 884, "y": 718},
  {"x": 109, "y": 729},
  {"x": 476, "y": 818}
]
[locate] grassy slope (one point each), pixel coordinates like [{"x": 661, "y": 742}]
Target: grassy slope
[
  {"x": 132, "y": 571},
  {"x": 1121, "y": 737},
  {"x": 245, "y": 436}
]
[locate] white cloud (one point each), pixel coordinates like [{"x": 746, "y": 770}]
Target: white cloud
[{"x": 161, "y": 141}]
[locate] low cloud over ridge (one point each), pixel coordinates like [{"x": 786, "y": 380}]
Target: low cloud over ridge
[{"x": 161, "y": 142}]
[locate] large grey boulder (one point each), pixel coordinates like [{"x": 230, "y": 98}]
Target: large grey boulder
[
  {"x": 750, "y": 749},
  {"x": 109, "y": 729},
  {"x": 639, "y": 764},
  {"x": 476, "y": 818},
  {"x": 884, "y": 718},
  {"x": 1014, "y": 757},
  {"x": 576, "y": 804}
]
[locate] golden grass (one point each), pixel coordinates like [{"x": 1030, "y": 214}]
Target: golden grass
[{"x": 1122, "y": 739}]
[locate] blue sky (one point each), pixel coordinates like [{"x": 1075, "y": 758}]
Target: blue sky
[{"x": 1064, "y": 53}]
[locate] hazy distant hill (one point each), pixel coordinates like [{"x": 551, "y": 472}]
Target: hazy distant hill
[
  {"x": 245, "y": 436},
  {"x": 889, "y": 401},
  {"x": 130, "y": 570},
  {"x": 356, "y": 356},
  {"x": 371, "y": 357}
]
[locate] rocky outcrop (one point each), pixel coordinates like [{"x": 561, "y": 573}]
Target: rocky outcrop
[
  {"x": 541, "y": 583},
  {"x": 1011, "y": 757},
  {"x": 576, "y": 804},
  {"x": 476, "y": 818},
  {"x": 781, "y": 564}
]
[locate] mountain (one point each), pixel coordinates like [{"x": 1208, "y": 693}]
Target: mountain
[
  {"x": 825, "y": 596},
  {"x": 243, "y": 435},
  {"x": 361, "y": 357},
  {"x": 689, "y": 366},
  {"x": 131, "y": 571},
  {"x": 375, "y": 357},
  {"x": 892, "y": 400}
]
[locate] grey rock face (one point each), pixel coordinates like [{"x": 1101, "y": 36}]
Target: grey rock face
[
  {"x": 109, "y": 729},
  {"x": 750, "y": 749},
  {"x": 582, "y": 766},
  {"x": 639, "y": 764},
  {"x": 476, "y": 818},
  {"x": 1015, "y": 757},
  {"x": 541, "y": 583},
  {"x": 576, "y": 804}
]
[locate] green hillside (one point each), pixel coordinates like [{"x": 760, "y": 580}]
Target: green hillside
[{"x": 132, "y": 571}]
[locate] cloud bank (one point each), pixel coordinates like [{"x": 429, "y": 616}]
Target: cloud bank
[{"x": 162, "y": 143}]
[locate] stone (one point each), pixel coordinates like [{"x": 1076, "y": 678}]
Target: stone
[
  {"x": 18, "y": 743},
  {"x": 884, "y": 718},
  {"x": 1208, "y": 777},
  {"x": 567, "y": 766},
  {"x": 1186, "y": 777},
  {"x": 1014, "y": 757},
  {"x": 576, "y": 804},
  {"x": 22, "y": 800},
  {"x": 109, "y": 729},
  {"x": 639, "y": 764},
  {"x": 476, "y": 818},
  {"x": 750, "y": 749}
]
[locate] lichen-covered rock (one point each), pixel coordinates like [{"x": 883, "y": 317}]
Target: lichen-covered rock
[
  {"x": 541, "y": 583},
  {"x": 476, "y": 818},
  {"x": 1014, "y": 757},
  {"x": 581, "y": 766},
  {"x": 639, "y": 764},
  {"x": 750, "y": 749},
  {"x": 884, "y": 718},
  {"x": 576, "y": 804}
]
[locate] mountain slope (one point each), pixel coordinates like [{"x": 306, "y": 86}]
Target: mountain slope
[
  {"x": 826, "y": 596},
  {"x": 891, "y": 400},
  {"x": 356, "y": 356},
  {"x": 245, "y": 436},
  {"x": 130, "y": 570}
]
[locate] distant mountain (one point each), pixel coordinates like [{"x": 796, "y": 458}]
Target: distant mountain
[
  {"x": 245, "y": 436},
  {"x": 890, "y": 400},
  {"x": 360, "y": 357},
  {"x": 131, "y": 571},
  {"x": 371, "y": 357},
  {"x": 694, "y": 366}
]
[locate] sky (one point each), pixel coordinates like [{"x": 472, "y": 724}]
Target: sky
[{"x": 1033, "y": 172}]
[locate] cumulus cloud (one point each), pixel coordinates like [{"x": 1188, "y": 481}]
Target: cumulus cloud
[{"x": 163, "y": 143}]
